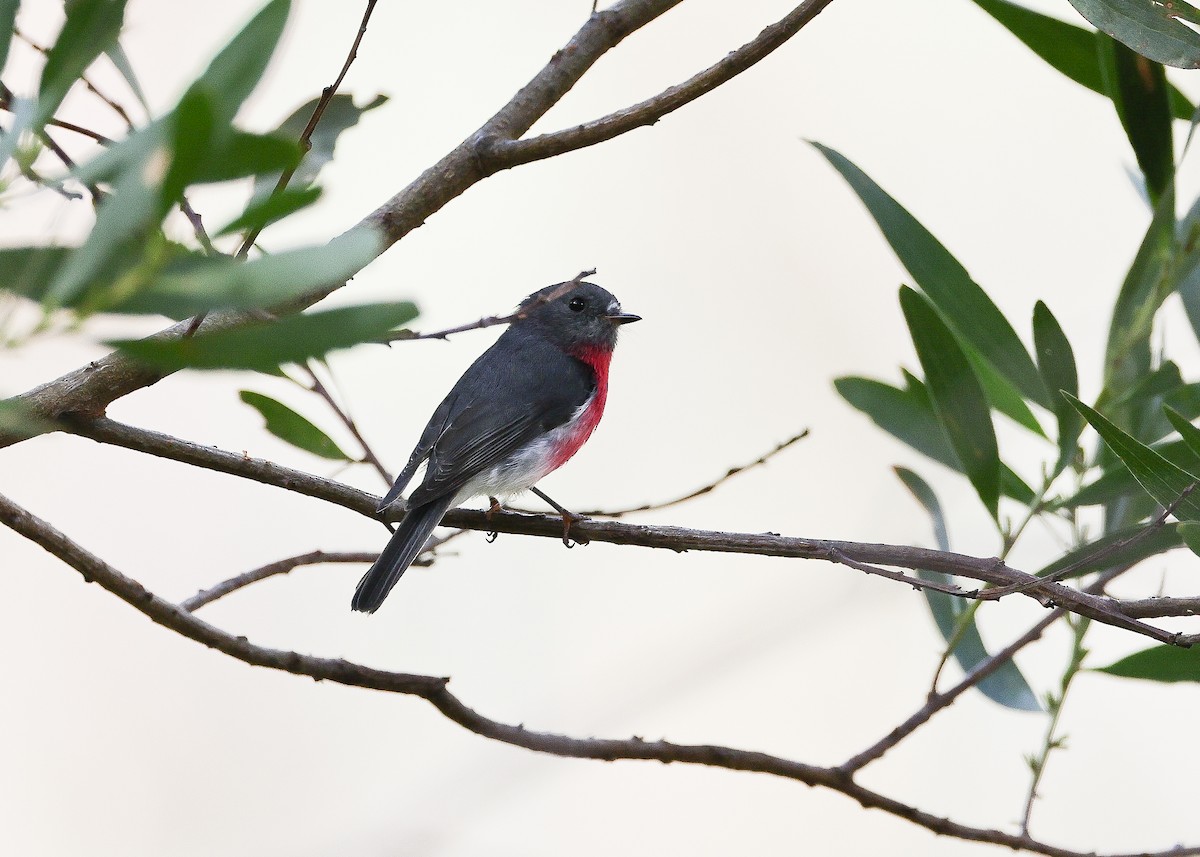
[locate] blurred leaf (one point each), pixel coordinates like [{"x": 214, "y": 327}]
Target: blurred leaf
[
  {"x": 957, "y": 396},
  {"x": 1191, "y": 536},
  {"x": 124, "y": 222},
  {"x": 908, "y": 416},
  {"x": 1148, "y": 27},
  {"x": 965, "y": 306},
  {"x": 1056, "y": 362},
  {"x": 340, "y": 114},
  {"x": 1160, "y": 663},
  {"x": 1138, "y": 88},
  {"x": 273, "y": 208},
  {"x": 1069, "y": 49},
  {"x": 290, "y": 427},
  {"x": 117, "y": 56},
  {"x": 8, "y": 14},
  {"x": 27, "y": 270},
  {"x": 1127, "y": 354},
  {"x": 203, "y": 283},
  {"x": 1168, "y": 537},
  {"x": 236, "y": 70},
  {"x": 1162, "y": 480},
  {"x": 1006, "y": 685},
  {"x": 263, "y": 347},
  {"x": 91, "y": 28},
  {"x": 1188, "y": 433},
  {"x": 17, "y": 420}
]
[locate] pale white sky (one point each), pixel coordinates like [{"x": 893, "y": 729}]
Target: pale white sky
[{"x": 760, "y": 279}]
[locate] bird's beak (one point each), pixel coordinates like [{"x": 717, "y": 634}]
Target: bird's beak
[{"x": 623, "y": 318}]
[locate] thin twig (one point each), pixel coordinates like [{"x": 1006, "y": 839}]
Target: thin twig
[
  {"x": 87, "y": 82},
  {"x": 306, "y": 135},
  {"x": 282, "y": 566},
  {"x": 305, "y": 142},
  {"x": 435, "y": 691},
  {"x": 1108, "y": 550},
  {"x": 368, "y": 454},
  {"x": 938, "y": 701},
  {"x": 699, "y": 492},
  {"x": 491, "y": 320}
]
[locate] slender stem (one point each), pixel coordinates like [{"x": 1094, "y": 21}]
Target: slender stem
[
  {"x": 1055, "y": 703},
  {"x": 369, "y": 455}
]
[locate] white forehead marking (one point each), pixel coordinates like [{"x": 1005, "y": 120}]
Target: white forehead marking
[{"x": 614, "y": 307}]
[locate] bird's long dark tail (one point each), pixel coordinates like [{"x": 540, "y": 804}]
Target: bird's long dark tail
[{"x": 401, "y": 550}]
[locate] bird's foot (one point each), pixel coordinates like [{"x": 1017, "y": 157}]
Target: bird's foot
[
  {"x": 568, "y": 519},
  {"x": 496, "y": 506}
]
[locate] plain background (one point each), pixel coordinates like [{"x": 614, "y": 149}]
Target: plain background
[{"x": 761, "y": 279}]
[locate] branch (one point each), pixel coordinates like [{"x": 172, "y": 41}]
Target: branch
[
  {"x": 863, "y": 555},
  {"x": 706, "y": 489},
  {"x": 407, "y": 335},
  {"x": 282, "y": 566},
  {"x": 87, "y": 391},
  {"x": 435, "y": 691},
  {"x": 516, "y": 152}
]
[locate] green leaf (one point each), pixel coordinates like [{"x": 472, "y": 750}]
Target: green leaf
[
  {"x": 908, "y": 416},
  {"x": 8, "y": 14},
  {"x": 290, "y": 427},
  {"x": 1191, "y": 536},
  {"x": 1187, "y": 432},
  {"x": 26, "y": 271},
  {"x": 126, "y": 220},
  {"x": 269, "y": 210},
  {"x": 1116, "y": 481},
  {"x": 120, "y": 60},
  {"x": 1138, "y": 88},
  {"x": 1148, "y": 27},
  {"x": 236, "y": 70},
  {"x": 91, "y": 28},
  {"x": 263, "y": 347},
  {"x": 1168, "y": 537},
  {"x": 1127, "y": 354},
  {"x": 1162, "y": 480},
  {"x": 1006, "y": 685},
  {"x": 340, "y": 115},
  {"x": 1069, "y": 49},
  {"x": 958, "y": 399},
  {"x": 965, "y": 306},
  {"x": 1056, "y": 362},
  {"x": 201, "y": 284},
  {"x": 1159, "y": 663}
]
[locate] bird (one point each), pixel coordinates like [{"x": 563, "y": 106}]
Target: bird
[{"x": 519, "y": 412}]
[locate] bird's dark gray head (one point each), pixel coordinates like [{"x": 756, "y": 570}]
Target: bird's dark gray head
[{"x": 574, "y": 315}]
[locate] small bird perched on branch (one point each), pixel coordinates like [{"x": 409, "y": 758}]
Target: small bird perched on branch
[{"x": 519, "y": 412}]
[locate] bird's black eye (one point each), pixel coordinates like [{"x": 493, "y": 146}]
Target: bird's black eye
[{"x": 577, "y": 304}]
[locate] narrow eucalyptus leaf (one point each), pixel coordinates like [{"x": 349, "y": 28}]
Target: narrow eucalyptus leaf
[
  {"x": 291, "y": 427},
  {"x": 1160, "y": 663},
  {"x": 1148, "y": 27},
  {"x": 965, "y": 306},
  {"x": 291, "y": 339},
  {"x": 1162, "y": 480},
  {"x": 958, "y": 399}
]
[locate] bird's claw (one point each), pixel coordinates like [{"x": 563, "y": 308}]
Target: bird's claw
[
  {"x": 568, "y": 519},
  {"x": 491, "y": 536}
]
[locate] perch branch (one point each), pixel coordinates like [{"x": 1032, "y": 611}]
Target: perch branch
[
  {"x": 679, "y": 539},
  {"x": 435, "y": 691}
]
